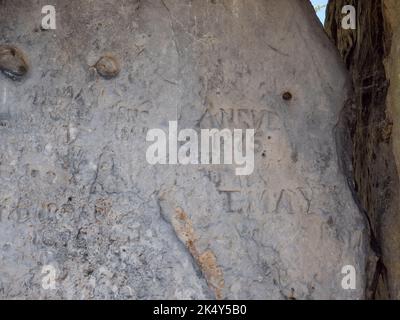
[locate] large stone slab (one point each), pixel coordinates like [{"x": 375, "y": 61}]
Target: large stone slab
[{"x": 78, "y": 194}]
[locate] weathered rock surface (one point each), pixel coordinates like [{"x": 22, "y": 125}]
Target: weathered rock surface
[
  {"x": 391, "y": 243},
  {"x": 372, "y": 55},
  {"x": 77, "y": 193}
]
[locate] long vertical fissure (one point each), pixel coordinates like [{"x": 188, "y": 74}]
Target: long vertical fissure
[{"x": 374, "y": 175}]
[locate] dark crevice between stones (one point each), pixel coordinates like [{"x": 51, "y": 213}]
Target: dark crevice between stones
[{"x": 365, "y": 142}]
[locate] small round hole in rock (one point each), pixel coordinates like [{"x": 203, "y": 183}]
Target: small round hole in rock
[{"x": 287, "y": 96}]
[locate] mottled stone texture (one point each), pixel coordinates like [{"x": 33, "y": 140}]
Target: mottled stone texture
[
  {"x": 77, "y": 193},
  {"x": 372, "y": 55},
  {"x": 392, "y": 65}
]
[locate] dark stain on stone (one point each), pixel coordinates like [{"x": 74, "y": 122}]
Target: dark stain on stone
[
  {"x": 287, "y": 96},
  {"x": 34, "y": 173},
  {"x": 108, "y": 67},
  {"x": 12, "y": 62},
  {"x": 294, "y": 156}
]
